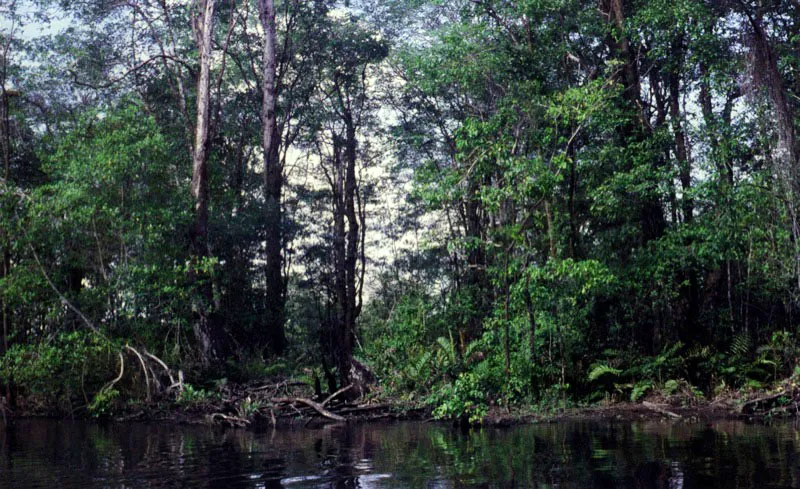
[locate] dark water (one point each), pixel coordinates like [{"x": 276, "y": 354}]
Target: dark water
[{"x": 65, "y": 455}]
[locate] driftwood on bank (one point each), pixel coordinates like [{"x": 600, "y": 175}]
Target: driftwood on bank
[
  {"x": 660, "y": 410},
  {"x": 316, "y": 406},
  {"x": 308, "y": 402},
  {"x": 365, "y": 408},
  {"x": 266, "y": 404}
]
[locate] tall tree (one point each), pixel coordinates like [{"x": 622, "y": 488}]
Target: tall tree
[
  {"x": 207, "y": 332},
  {"x": 768, "y": 76},
  {"x": 273, "y": 186},
  {"x": 347, "y": 109},
  {"x": 7, "y": 41}
]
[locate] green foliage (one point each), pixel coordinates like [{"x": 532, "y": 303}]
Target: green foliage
[
  {"x": 640, "y": 389},
  {"x": 248, "y": 407},
  {"x": 190, "y": 396},
  {"x": 601, "y": 370},
  {"x": 407, "y": 349},
  {"x": 103, "y": 402},
  {"x": 579, "y": 205},
  {"x": 59, "y": 371},
  {"x": 465, "y": 398},
  {"x": 671, "y": 387}
]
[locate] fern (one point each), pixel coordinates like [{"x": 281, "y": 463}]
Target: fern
[
  {"x": 699, "y": 352},
  {"x": 448, "y": 347},
  {"x": 416, "y": 369},
  {"x": 640, "y": 389},
  {"x": 600, "y": 370},
  {"x": 739, "y": 346}
]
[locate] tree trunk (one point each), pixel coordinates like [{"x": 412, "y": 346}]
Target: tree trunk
[
  {"x": 204, "y": 330},
  {"x": 273, "y": 188},
  {"x": 342, "y": 348},
  {"x": 767, "y": 74},
  {"x": 5, "y": 267},
  {"x": 689, "y": 328},
  {"x": 475, "y": 281},
  {"x": 347, "y": 250},
  {"x": 353, "y": 240},
  {"x": 681, "y": 146}
]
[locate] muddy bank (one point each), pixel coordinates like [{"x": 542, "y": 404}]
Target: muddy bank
[
  {"x": 753, "y": 407},
  {"x": 267, "y": 404},
  {"x": 392, "y": 410}
]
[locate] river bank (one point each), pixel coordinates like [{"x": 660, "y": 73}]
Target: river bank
[
  {"x": 685, "y": 406},
  {"x": 261, "y": 405}
]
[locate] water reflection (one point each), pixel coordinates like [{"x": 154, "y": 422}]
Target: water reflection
[{"x": 65, "y": 455}]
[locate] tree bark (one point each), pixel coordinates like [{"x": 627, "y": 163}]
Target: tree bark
[
  {"x": 475, "y": 281},
  {"x": 204, "y": 330},
  {"x": 202, "y": 24},
  {"x": 348, "y": 243},
  {"x": 681, "y": 144},
  {"x": 767, "y": 74},
  {"x": 682, "y": 156},
  {"x": 5, "y": 125},
  {"x": 353, "y": 240},
  {"x": 5, "y": 267},
  {"x": 273, "y": 187}
]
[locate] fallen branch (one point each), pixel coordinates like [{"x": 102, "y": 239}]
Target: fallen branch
[
  {"x": 660, "y": 410},
  {"x": 232, "y": 420},
  {"x": 365, "y": 408},
  {"x": 335, "y": 394},
  {"x": 277, "y": 386},
  {"x": 308, "y": 402},
  {"x": 130, "y": 417},
  {"x": 750, "y": 406}
]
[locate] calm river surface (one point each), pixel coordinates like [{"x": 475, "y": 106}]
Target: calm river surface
[{"x": 65, "y": 455}]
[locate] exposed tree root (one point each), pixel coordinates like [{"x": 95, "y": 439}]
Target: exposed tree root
[{"x": 144, "y": 370}]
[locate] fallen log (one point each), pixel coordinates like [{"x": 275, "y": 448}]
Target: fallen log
[
  {"x": 660, "y": 410},
  {"x": 308, "y": 402},
  {"x": 364, "y": 408}
]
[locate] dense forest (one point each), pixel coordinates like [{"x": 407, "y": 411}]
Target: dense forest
[{"x": 464, "y": 204}]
